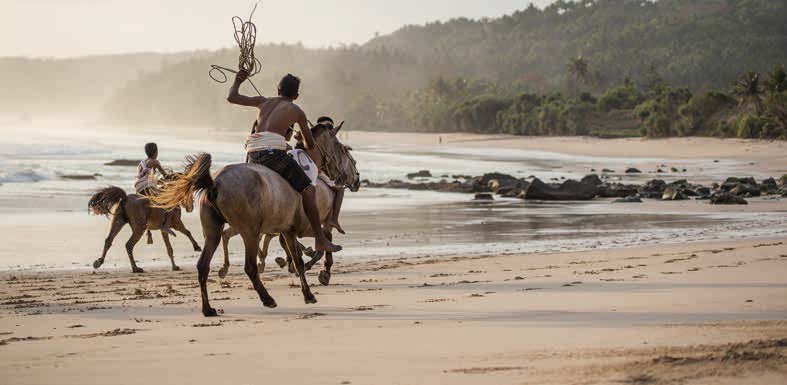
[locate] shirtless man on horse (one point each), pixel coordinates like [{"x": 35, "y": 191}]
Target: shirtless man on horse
[{"x": 267, "y": 145}]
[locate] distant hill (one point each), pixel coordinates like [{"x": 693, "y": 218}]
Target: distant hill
[
  {"x": 383, "y": 84},
  {"x": 71, "y": 88}
]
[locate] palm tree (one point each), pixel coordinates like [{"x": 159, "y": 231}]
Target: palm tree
[
  {"x": 749, "y": 91},
  {"x": 776, "y": 80},
  {"x": 579, "y": 68}
]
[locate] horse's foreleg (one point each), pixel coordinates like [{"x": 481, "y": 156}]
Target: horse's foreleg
[
  {"x": 169, "y": 250},
  {"x": 179, "y": 226},
  {"x": 252, "y": 243},
  {"x": 137, "y": 233},
  {"x": 325, "y": 275},
  {"x": 295, "y": 253},
  {"x": 117, "y": 224}
]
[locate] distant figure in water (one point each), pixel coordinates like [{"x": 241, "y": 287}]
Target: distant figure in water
[
  {"x": 147, "y": 183},
  {"x": 439, "y": 140}
]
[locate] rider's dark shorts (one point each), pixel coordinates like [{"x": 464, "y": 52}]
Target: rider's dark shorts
[{"x": 284, "y": 165}]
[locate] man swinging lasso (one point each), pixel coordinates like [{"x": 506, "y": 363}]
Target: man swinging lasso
[{"x": 267, "y": 145}]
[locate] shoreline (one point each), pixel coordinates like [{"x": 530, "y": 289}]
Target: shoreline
[{"x": 601, "y": 316}]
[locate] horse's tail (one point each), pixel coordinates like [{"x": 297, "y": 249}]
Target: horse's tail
[
  {"x": 102, "y": 202},
  {"x": 181, "y": 190}
]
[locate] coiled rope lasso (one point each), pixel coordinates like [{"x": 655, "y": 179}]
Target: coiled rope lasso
[{"x": 246, "y": 37}]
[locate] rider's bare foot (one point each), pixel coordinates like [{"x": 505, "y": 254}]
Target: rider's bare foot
[
  {"x": 335, "y": 225},
  {"x": 327, "y": 246}
]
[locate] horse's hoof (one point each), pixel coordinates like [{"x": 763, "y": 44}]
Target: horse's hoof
[
  {"x": 261, "y": 267},
  {"x": 324, "y": 277},
  {"x": 309, "y": 299},
  {"x": 281, "y": 262},
  {"x": 175, "y": 268},
  {"x": 269, "y": 302},
  {"x": 223, "y": 272},
  {"x": 97, "y": 263},
  {"x": 137, "y": 270},
  {"x": 197, "y": 248},
  {"x": 210, "y": 312}
]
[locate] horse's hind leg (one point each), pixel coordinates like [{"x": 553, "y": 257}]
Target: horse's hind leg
[
  {"x": 325, "y": 275},
  {"x": 251, "y": 241},
  {"x": 295, "y": 252},
  {"x": 178, "y": 225},
  {"x": 263, "y": 252},
  {"x": 117, "y": 224},
  {"x": 285, "y": 262},
  {"x": 211, "y": 228},
  {"x": 225, "y": 246},
  {"x": 138, "y": 231},
  {"x": 169, "y": 250}
]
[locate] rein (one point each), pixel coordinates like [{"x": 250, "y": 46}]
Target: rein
[{"x": 333, "y": 170}]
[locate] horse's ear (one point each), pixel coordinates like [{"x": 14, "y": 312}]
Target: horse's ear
[{"x": 339, "y": 127}]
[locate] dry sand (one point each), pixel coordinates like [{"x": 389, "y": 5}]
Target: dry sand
[
  {"x": 668, "y": 314},
  {"x": 770, "y": 151}
]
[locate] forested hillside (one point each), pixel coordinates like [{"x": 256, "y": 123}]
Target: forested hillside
[{"x": 605, "y": 67}]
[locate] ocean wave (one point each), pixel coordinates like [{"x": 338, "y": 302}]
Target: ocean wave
[{"x": 24, "y": 176}]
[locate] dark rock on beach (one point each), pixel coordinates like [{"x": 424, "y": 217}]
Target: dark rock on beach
[
  {"x": 495, "y": 181},
  {"x": 592, "y": 179},
  {"x": 567, "y": 191},
  {"x": 672, "y": 194},
  {"x": 123, "y": 163},
  {"x": 616, "y": 190},
  {"x": 420, "y": 174},
  {"x": 484, "y": 197},
  {"x": 78, "y": 177},
  {"x": 727, "y": 198},
  {"x": 629, "y": 199},
  {"x": 632, "y": 170},
  {"x": 653, "y": 189}
]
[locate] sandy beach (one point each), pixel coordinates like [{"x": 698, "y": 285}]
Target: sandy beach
[
  {"x": 691, "y": 314},
  {"x": 676, "y": 303}
]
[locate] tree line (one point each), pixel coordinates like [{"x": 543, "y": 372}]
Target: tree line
[{"x": 601, "y": 67}]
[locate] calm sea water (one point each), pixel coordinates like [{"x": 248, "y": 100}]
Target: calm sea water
[{"x": 45, "y": 222}]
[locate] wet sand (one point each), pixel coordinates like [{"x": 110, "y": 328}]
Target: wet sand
[{"x": 693, "y": 313}]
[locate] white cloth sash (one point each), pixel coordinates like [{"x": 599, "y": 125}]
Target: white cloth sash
[{"x": 265, "y": 140}]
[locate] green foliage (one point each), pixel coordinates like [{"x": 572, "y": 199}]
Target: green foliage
[
  {"x": 751, "y": 126},
  {"x": 659, "y": 112},
  {"x": 776, "y": 80},
  {"x": 703, "y": 114},
  {"x": 624, "y": 97},
  {"x": 749, "y": 91}
]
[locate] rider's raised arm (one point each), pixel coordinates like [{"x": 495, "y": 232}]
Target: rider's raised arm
[
  {"x": 306, "y": 132},
  {"x": 236, "y": 98},
  {"x": 157, "y": 166}
]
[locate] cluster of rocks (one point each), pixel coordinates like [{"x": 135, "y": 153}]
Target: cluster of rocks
[{"x": 732, "y": 191}]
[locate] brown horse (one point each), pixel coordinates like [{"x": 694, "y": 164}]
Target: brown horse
[
  {"x": 255, "y": 201},
  {"x": 137, "y": 212}
]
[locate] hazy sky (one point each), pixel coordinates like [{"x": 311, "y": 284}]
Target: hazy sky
[{"x": 80, "y": 27}]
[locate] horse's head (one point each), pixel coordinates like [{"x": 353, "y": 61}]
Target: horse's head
[{"x": 335, "y": 157}]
